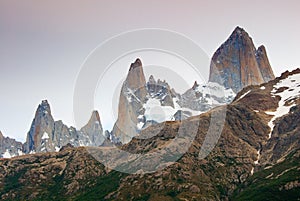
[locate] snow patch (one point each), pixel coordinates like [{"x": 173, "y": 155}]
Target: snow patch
[
  {"x": 258, "y": 157},
  {"x": 140, "y": 125},
  {"x": 263, "y": 88},
  {"x": 214, "y": 89},
  {"x": 32, "y": 152},
  {"x": 6, "y": 154},
  {"x": 245, "y": 94},
  {"x": 129, "y": 93},
  {"x": 288, "y": 94},
  {"x": 158, "y": 113},
  {"x": 154, "y": 111},
  {"x": 45, "y": 136},
  {"x": 20, "y": 153}
]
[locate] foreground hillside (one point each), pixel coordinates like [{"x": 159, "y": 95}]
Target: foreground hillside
[{"x": 255, "y": 158}]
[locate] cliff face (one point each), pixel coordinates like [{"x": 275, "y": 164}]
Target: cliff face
[
  {"x": 132, "y": 97},
  {"x": 237, "y": 63}
]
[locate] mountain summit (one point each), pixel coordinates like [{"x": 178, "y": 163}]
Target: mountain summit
[
  {"x": 48, "y": 135},
  {"x": 237, "y": 63}
]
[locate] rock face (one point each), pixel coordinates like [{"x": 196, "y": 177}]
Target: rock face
[
  {"x": 263, "y": 63},
  {"x": 47, "y": 135},
  {"x": 237, "y": 63},
  {"x": 9, "y": 147},
  {"x": 132, "y": 96},
  {"x": 245, "y": 164}
]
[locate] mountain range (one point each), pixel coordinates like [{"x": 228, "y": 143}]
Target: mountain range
[{"x": 255, "y": 157}]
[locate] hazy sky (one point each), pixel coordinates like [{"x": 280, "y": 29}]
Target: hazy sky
[{"x": 44, "y": 43}]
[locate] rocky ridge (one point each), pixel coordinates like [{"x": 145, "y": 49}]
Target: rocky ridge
[{"x": 48, "y": 135}]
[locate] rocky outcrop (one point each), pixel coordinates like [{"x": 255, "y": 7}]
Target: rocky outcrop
[
  {"x": 9, "y": 147},
  {"x": 161, "y": 90},
  {"x": 237, "y": 63}
]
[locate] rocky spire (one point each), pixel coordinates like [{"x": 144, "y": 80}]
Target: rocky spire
[
  {"x": 41, "y": 128},
  {"x": 195, "y": 85},
  {"x": 237, "y": 63},
  {"x": 136, "y": 79},
  {"x": 264, "y": 64},
  {"x": 132, "y": 97},
  {"x": 93, "y": 129}
]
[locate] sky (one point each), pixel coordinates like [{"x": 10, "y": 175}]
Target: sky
[{"x": 44, "y": 44}]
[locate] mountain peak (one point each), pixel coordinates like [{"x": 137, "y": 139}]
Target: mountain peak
[
  {"x": 261, "y": 49},
  {"x": 195, "y": 85},
  {"x": 93, "y": 129},
  {"x": 264, "y": 64},
  {"x": 44, "y": 107},
  {"x": 137, "y": 63},
  {"x": 238, "y": 30},
  {"x": 152, "y": 79},
  {"x": 95, "y": 116},
  {"x": 135, "y": 78},
  {"x": 237, "y": 64}
]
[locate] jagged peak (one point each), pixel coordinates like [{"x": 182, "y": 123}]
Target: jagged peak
[
  {"x": 195, "y": 85},
  {"x": 241, "y": 37},
  {"x": 1, "y": 135},
  {"x": 135, "y": 77},
  {"x": 44, "y": 103},
  {"x": 152, "y": 79},
  {"x": 261, "y": 49},
  {"x": 137, "y": 63},
  {"x": 239, "y": 31},
  {"x": 95, "y": 117},
  {"x": 44, "y": 107}
]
